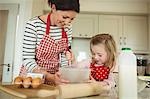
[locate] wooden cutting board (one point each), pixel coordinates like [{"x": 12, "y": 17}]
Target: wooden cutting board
[{"x": 42, "y": 91}]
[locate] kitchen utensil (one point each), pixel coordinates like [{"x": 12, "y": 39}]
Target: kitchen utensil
[
  {"x": 148, "y": 68},
  {"x": 141, "y": 64}
]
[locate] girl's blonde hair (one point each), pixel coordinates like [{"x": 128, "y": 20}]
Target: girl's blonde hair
[{"x": 110, "y": 47}]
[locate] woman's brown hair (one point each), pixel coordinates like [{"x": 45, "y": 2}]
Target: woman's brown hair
[{"x": 73, "y": 5}]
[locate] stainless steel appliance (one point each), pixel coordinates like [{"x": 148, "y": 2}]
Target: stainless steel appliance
[
  {"x": 148, "y": 68},
  {"x": 142, "y": 61}
]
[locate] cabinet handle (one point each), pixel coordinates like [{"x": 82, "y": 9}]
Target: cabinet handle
[
  {"x": 120, "y": 40},
  {"x": 124, "y": 41},
  {"x": 80, "y": 34},
  {"x": 8, "y": 66}
]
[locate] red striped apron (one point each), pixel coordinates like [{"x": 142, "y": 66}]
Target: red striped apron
[{"x": 47, "y": 52}]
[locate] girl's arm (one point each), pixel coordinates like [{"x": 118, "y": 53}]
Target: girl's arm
[{"x": 110, "y": 81}]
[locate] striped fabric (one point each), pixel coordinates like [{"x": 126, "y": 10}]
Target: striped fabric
[{"x": 34, "y": 32}]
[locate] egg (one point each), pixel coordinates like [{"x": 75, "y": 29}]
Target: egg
[
  {"x": 27, "y": 82},
  {"x": 18, "y": 81},
  {"x": 36, "y": 82},
  {"x": 29, "y": 78}
]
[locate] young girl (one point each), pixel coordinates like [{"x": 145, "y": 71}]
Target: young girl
[{"x": 103, "y": 50}]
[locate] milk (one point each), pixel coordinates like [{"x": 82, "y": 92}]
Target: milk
[{"x": 127, "y": 74}]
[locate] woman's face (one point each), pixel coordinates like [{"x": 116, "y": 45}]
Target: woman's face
[
  {"x": 99, "y": 54},
  {"x": 64, "y": 18}
]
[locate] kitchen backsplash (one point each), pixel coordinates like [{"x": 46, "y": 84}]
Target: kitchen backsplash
[{"x": 80, "y": 44}]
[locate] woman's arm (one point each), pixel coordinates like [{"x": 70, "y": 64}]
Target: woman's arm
[
  {"x": 66, "y": 54},
  {"x": 29, "y": 46}
]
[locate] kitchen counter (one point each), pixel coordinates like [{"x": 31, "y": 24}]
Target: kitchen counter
[
  {"x": 144, "y": 94},
  {"x": 49, "y": 94},
  {"x": 42, "y": 92}
]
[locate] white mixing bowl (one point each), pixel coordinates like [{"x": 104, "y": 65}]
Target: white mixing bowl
[{"x": 75, "y": 75}]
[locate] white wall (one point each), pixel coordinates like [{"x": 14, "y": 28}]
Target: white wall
[
  {"x": 24, "y": 14},
  {"x": 28, "y": 9},
  {"x": 149, "y": 25},
  {"x": 37, "y": 7},
  {"x": 80, "y": 44},
  {"x": 110, "y": 6},
  {"x": 10, "y": 1}
]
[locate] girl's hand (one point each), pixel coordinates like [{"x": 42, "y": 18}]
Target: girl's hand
[
  {"x": 103, "y": 83},
  {"x": 92, "y": 80}
]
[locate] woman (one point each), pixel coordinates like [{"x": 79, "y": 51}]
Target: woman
[{"x": 47, "y": 40}]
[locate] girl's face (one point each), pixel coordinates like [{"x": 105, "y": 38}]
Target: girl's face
[
  {"x": 99, "y": 54},
  {"x": 64, "y": 18}
]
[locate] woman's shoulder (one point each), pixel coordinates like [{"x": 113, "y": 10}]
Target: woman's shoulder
[
  {"x": 69, "y": 27},
  {"x": 35, "y": 20}
]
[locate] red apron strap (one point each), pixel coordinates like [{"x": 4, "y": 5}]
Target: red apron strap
[
  {"x": 48, "y": 24},
  {"x": 64, "y": 35}
]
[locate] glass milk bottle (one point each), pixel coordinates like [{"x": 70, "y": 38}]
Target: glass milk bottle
[{"x": 127, "y": 74}]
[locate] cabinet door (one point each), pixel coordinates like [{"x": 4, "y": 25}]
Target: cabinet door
[
  {"x": 111, "y": 24},
  {"x": 135, "y": 31},
  {"x": 85, "y": 25}
]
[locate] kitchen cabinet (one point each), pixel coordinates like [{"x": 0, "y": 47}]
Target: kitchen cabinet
[
  {"x": 111, "y": 24},
  {"x": 136, "y": 32},
  {"x": 85, "y": 25},
  {"x": 128, "y": 31}
]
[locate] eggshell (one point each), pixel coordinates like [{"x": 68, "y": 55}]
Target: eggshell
[
  {"x": 18, "y": 81},
  {"x": 36, "y": 82},
  {"x": 29, "y": 78},
  {"x": 26, "y": 82}
]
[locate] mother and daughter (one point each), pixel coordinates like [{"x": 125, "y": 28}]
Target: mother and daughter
[{"x": 47, "y": 41}]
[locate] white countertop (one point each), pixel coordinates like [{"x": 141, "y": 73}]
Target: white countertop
[{"x": 144, "y": 94}]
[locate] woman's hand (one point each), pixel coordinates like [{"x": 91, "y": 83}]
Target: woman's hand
[
  {"x": 56, "y": 78},
  {"x": 59, "y": 80},
  {"x": 70, "y": 55}
]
